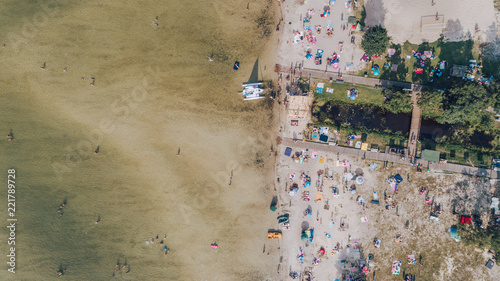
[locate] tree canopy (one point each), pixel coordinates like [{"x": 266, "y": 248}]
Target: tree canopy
[
  {"x": 465, "y": 103},
  {"x": 375, "y": 41},
  {"x": 397, "y": 101},
  {"x": 430, "y": 102}
]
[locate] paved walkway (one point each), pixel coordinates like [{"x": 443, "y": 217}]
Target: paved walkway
[
  {"x": 449, "y": 167},
  {"x": 416, "y": 119},
  {"x": 347, "y": 78}
]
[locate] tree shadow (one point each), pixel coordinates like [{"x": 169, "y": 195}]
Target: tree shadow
[
  {"x": 425, "y": 65},
  {"x": 353, "y": 262},
  {"x": 471, "y": 196},
  {"x": 491, "y": 33},
  {"x": 454, "y": 32},
  {"x": 374, "y": 14},
  {"x": 386, "y": 70},
  {"x": 455, "y": 52}
]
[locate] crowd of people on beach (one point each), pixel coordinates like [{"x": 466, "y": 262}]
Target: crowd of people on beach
[
  {"x": 119, "y": 266},
  {"x": 166, "y": 250}
]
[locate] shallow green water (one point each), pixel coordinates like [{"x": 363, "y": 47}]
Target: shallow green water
[{"x": 136, "y": 184}]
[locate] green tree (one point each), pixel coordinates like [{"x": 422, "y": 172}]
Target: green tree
[
  {"x": 465, "y": 103},
  {"x": 375, "y": 41},
  {"x": 397, "y": 101},
  {"x": 430, "y": 102}
]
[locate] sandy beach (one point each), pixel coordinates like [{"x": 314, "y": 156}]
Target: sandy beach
[
  {"x": 80, "y": 76},
  {"x": 416, "y": 21},
  {"x": 345, "y": 222}
]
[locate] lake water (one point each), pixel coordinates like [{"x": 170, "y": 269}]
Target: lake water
[{"x": 154, "y": 91}]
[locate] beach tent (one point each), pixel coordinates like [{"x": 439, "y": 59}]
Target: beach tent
[
  {"x": 431, "y": 155},
  {"x": 454, "y": 234},
  {"x": 490, "y": 264},
  {"x": 319, "y": 88},
  {"x": 309, "y": 56},
  {"x": 398, "y": 178},
  {"x": 323, "y": 138},
  {"x": 352, "y": 20},
  {"x": 394, "y": 67},
  {"x": 376, "y": 72},
  {"x": 273, "y": 208},
  {"x": 288, "y": 151},
  {"x": 465, "y": 219},
  {"x": 304, "y": 237}
]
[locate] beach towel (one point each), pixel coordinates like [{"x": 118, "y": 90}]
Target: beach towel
[
  {"x": 318, "y": 197},
  {"x": 321, "y": 160},
  {"x": 372, "y": 166},
  {"x": 396, "y": 267}
]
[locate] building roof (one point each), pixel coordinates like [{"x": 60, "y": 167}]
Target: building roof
[{"x": 431, "y": 155}]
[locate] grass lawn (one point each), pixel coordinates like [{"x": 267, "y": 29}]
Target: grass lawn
[
  {"x": 459, "y": 155},
  {"x": 366, "y": 94},
  {"x": 453, "y": 53},
  {"x": 371, "y": 138}
]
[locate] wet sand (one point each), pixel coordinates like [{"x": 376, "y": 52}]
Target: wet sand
[{"x": 154, "y": 91}]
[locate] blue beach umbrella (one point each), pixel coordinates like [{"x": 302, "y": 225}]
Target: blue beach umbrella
[{"x": 353, "y": 96}]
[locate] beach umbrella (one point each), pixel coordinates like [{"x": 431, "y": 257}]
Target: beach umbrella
[
  {"x": 359, "y": 180},
  {"x": 309, "y": 56},
  {"x": 335, "y": 65},
  {"x": 353, "y": 96}
]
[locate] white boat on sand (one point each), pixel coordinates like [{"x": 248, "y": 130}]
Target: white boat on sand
[{"x": 252, "y": 91}]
